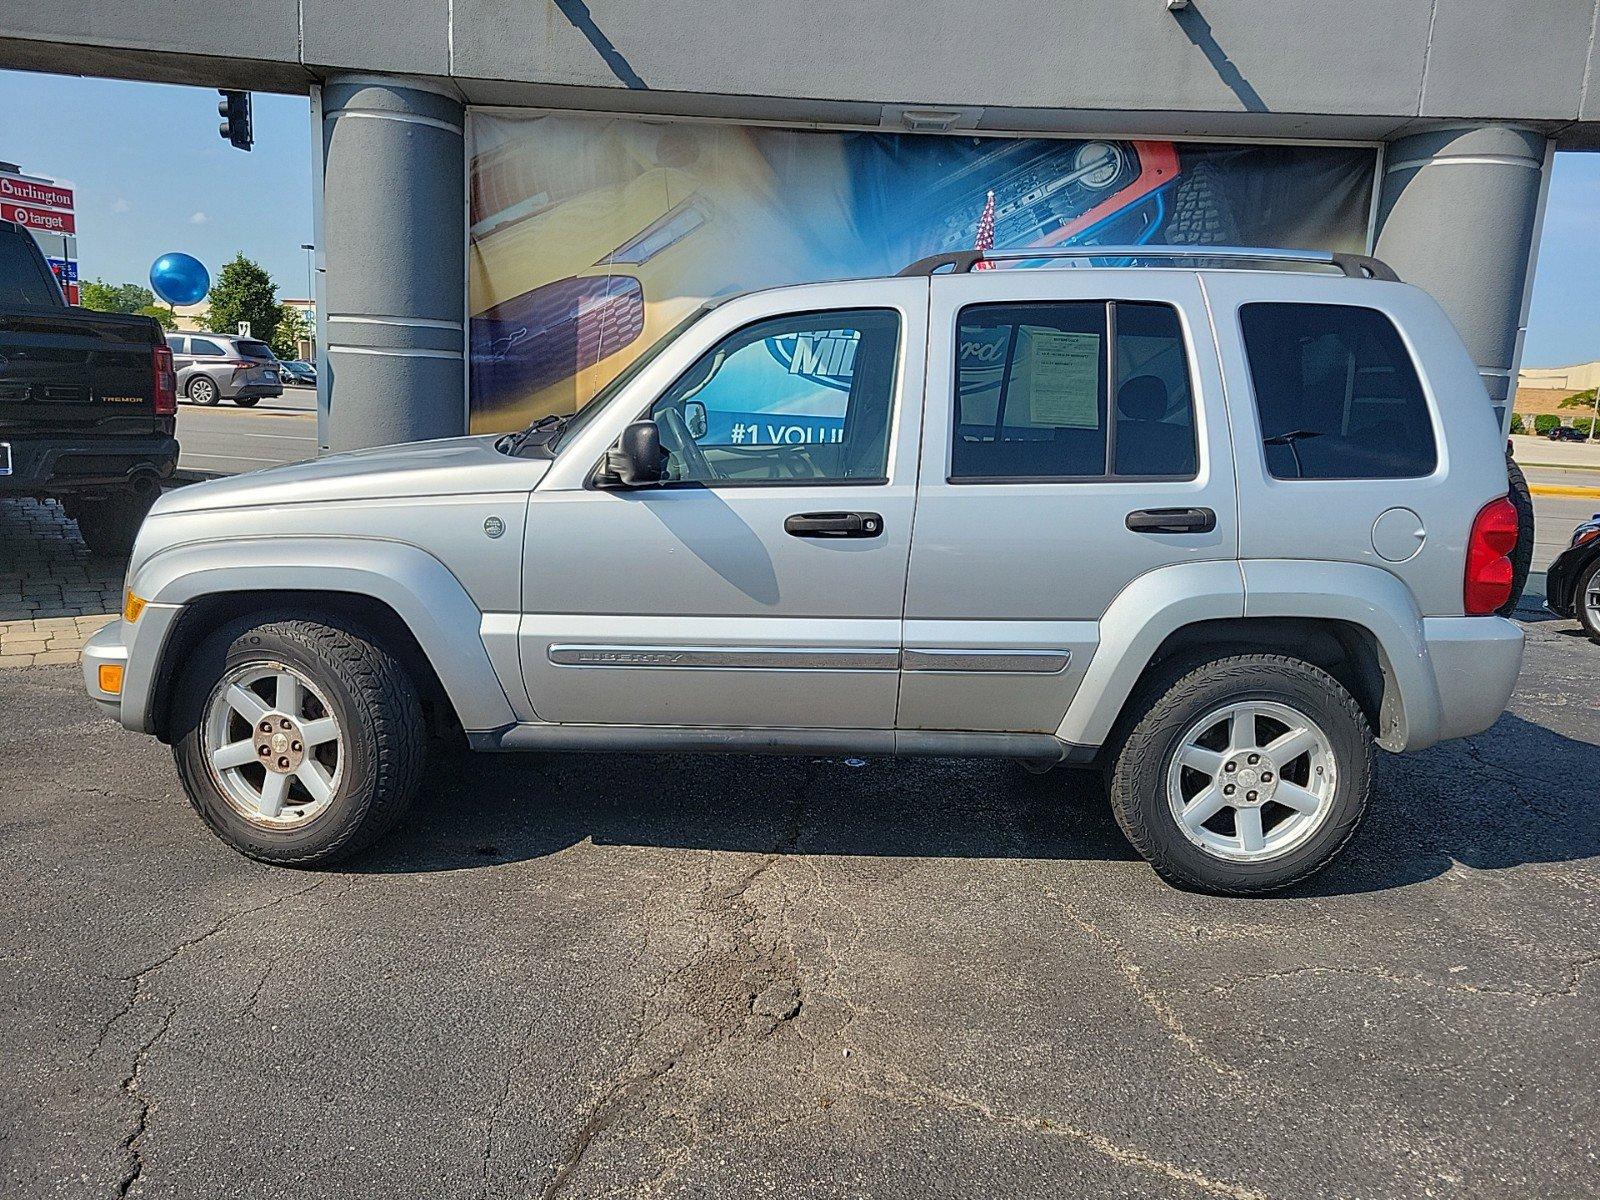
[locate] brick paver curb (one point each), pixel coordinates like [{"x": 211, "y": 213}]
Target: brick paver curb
[
  {"x": 53, "y": 592},
  {"x": 49, "y": 641}
]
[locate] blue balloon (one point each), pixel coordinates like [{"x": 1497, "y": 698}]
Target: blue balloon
[{"x": 179, "y": 279}]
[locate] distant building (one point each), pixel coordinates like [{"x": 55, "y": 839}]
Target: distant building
[
  {"x": 192, "y": 317},
  {"x": 1578, "y": 378},
  {"x": 45, "y": 208}
]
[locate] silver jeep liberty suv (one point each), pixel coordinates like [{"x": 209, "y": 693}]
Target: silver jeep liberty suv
[{"x": 1215, "y": 527}]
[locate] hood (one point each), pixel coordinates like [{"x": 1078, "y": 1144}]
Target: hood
[{"x": 447, "y": 467}]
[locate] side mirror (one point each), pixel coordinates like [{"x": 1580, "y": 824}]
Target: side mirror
[
  {"x": 636, "y": 459},
  {"x": 695, "y": 420}
]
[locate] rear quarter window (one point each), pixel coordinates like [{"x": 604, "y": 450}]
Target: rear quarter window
[{"x": 1336, "y": 392}]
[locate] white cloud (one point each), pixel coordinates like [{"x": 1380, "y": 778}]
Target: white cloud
[
  {"x": 121, "y": 205},
  {"x": 198, "y": 218}
]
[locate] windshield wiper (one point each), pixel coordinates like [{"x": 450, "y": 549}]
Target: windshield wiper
[{"x": 537, "y": 440}]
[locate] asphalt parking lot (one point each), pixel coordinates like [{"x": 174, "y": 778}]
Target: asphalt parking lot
[{"x": 621, "y": 975}]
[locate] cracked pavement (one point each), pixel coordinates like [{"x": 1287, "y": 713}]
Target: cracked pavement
[{"x": 661, "y": 976}]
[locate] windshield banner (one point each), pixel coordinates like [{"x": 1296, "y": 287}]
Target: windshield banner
[{"x": 593, "y": 236}]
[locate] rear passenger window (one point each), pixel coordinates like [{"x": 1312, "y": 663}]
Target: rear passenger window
[
  {"x": 1032, "y": 383},
  {"x": 205, "y": 347},
  {"x": 1336, "y": 392}
]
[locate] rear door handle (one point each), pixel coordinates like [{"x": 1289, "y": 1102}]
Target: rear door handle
[
  {"x": 834, "y": 525},
  {"x": 1172, "y": 520}
]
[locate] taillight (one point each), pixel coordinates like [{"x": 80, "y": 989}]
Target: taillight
[
  {"x": 163, "y": 383},
  {"x": 1489, "y": 547}
]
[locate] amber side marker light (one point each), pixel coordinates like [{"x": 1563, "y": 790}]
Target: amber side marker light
[
  {"x": 111, "y": 678},
  {"x": 131, "y": 608}
]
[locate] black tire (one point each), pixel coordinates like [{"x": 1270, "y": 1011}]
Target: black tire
[
  {"x": 1522, "y": 552},
  {"x": 108, "y": 524},
  {"x": 246, "y": 401},
  {"x": 1588, "y": 580},
  {"x": 1200, "y": 213},
  {"x": 1177, "y": 699},
  {"x": 202, "y": 390},
  {"x": 372, "y": 698}
]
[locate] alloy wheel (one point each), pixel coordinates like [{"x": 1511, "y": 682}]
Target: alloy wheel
[
  {"x": 273, "y": 745},
  {"x": 1251, "y": 781}
]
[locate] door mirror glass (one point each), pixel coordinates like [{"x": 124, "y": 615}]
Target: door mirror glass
[
  {"x": 694, "y": 417},
  {"x": 636, "y": 459}
]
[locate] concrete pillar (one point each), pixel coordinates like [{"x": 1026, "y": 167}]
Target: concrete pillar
[
  {"x": 393, "y": 238},
  {"x": 1458, "y": 214}
]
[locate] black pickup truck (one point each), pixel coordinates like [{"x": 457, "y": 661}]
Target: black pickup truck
[{"x": 88, "y": 401}]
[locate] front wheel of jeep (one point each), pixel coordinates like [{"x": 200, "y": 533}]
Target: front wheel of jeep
[
  {"x": 298, "y": 743},
  {"x": 1243, "y": 775}
]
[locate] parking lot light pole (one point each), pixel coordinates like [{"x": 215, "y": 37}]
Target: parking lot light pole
[{"x": 311, "y": 295}]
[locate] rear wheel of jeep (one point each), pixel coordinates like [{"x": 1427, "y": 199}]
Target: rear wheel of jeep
[
  {"x": 298, "y": 743},
  {"x": 1243, "y": 775}
]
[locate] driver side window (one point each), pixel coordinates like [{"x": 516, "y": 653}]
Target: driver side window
[{"x": 802, "y": 398}]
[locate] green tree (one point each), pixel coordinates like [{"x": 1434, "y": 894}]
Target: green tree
[
  {"x": 292, "y": 326},
  {"x": 164, "y": 316},
  {"x": 1580, "y": 400},
  {"x": 1516, "y": 423},
  {"x": 244, "y": 292},
  {"x": 116, "y": 297},
  {"x": 1545, "y": 422}
]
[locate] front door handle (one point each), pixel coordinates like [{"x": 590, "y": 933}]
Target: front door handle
[
  {"x": 1172, "y": 520},
  {"x": 834, "y": 525}
]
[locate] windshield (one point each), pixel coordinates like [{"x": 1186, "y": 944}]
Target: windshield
[{"x": 600, "y": 399}]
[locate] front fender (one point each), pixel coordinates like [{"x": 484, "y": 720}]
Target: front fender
[{"x": 418, "y": 587}]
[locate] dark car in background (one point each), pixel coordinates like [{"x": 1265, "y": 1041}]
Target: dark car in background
[
  {"x": 297, "y": 372},
  {"x": 1567, "y": 433},
  {"x": 221, "y": 366},
  {"x": 1572, "y": 585},
  {"x": 87, "y": 401}
]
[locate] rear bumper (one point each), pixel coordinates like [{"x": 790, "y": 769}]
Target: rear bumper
[
  {"x": 230, "y": 392},
  {"x": 1561, "y": 580},
  {"x": 63, "y": 465},
  {"x": 1475, "y": 663}
]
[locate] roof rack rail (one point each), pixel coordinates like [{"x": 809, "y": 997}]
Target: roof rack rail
[{"x": 1354, "y": 266}]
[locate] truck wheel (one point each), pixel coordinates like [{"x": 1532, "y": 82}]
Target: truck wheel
[
  {"x": 109, "y": 524},
  {"x": 202, "y": 390},
  {"x": 1586, "y": 600},
  {"x": 1243, "y": 775},
  {"x": 297, "y": 743},
  {"x": 1522, "y": 552}
]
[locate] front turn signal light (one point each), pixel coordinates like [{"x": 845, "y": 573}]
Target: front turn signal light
[
  {"x": 110, "y": 678},
  {"x": 131, "y": 608}
]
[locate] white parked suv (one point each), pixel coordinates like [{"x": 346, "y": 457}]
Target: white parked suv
[{"x": 1212, "y": 528}]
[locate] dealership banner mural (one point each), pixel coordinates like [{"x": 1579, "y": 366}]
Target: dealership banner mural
[{"x": 592, "y": 236}]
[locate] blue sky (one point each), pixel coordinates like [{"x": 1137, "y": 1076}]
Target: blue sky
[
  {"x": 152, "y": 175},
  {"x": 1564, "y": 320}
]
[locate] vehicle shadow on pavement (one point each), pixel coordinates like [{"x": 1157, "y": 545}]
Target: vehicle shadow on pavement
[
  {"x": 1519, "y": 794},
  {"x": 495, "y": 809}
]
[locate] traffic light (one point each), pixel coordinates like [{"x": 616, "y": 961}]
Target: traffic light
[{"x": 234, "y": 109}]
